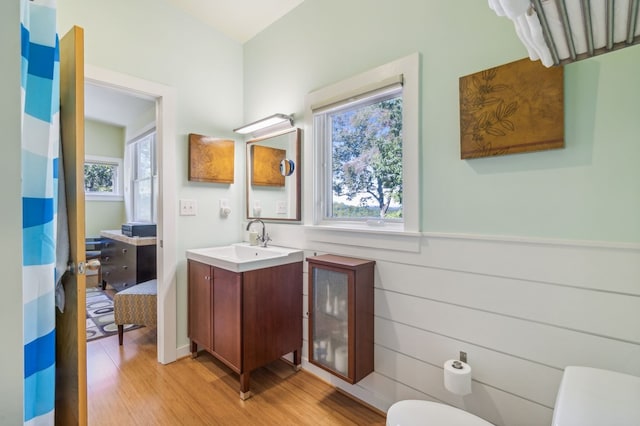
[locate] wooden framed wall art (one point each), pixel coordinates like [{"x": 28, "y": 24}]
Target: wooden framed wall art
[
  {"x": 211, "y": 159},
  {"x": 512, "y": 108}
]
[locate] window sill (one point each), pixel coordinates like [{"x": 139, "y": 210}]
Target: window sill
[
  {"x": 104, "y": 197},
  {"x": 383, "y": 237}
]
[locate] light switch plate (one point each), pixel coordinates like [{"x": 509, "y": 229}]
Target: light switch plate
[
  {"x": 188, "y": 207},
  {"x": 281, "y": 207}
]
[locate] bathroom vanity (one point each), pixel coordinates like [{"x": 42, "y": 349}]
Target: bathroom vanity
[{"x": 245, "y": 318}]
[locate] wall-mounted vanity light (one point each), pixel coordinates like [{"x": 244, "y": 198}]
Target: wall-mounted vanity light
[{"x": 272, "y": 123}]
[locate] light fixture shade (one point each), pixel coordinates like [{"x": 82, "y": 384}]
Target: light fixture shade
[{"x": 280, "y": 120}]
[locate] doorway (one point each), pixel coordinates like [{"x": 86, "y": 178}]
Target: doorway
[{"x": 164, "y": 98}]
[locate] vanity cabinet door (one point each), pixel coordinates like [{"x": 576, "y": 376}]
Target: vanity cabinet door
[
  {"x": 227, "y": 317},
  {"x": 272, "y": 314},
  {"x": 341, "y": 315},
  {"x": 200, "y": 296}
]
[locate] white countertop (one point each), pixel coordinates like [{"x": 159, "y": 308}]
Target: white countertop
[{"x": 136, "y": 241}]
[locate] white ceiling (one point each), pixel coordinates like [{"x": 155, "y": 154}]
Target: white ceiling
[
  {"x": 238, "y": 19},
  {"x": 113, "y": 106}
]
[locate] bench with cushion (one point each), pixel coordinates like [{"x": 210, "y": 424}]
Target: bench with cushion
[{"x": 136, "y": 305}]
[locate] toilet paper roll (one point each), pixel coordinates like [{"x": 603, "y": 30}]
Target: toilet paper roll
[
  {"x": 457, "y": 380},
  {"x": 341, "y": 359}
]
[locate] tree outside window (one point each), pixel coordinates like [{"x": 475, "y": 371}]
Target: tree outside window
[
  {"x": 367, "y": 160},
  {"x": 99, "y": 177}
]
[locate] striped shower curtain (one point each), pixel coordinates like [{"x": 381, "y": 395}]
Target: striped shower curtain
[{"x": 40, "y": 143}]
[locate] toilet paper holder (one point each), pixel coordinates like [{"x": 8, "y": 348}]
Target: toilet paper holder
[{"x": 458, "y": 364}]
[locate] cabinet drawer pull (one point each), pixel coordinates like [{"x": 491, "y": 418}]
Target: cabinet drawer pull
[
  {"x": 125, "y": 267},
  {"x": 124, "y": 250}
]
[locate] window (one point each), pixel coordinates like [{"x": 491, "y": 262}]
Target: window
[
  {"x": 143, "y": 178},
  {"x": 366, "y": 152},
  {"x": 102, "y": 178},
  {"x": 362, "y": 147}
]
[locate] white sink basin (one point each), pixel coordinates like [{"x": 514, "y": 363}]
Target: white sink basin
[{"x": 241, "y": 257}]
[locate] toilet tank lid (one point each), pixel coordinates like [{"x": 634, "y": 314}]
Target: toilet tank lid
[{"x": 594, "y": 397}]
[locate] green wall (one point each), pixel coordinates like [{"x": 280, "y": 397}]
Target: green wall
[
  {"x": 587, "y": 191},
  {"x": 104, "y": 140},
  {"x": 11, "y": 355}
]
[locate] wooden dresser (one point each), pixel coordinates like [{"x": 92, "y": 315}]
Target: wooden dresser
[{"x": 127, "y": 261}]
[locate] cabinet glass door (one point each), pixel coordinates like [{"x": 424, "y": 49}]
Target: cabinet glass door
[{"x": 330, "y": 331}]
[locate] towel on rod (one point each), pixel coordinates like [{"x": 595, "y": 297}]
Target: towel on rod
[
  {"x": 527, "y": 27},
  {"x": 576, "y": 22},
  {"x": 537, "y": 36},
  {"x": 524, "y": 33},
  {"x": 556, "y": 28},
  {"x": 496, "y": 6},
  {"x": 509, "y": 8},
  {"x": 620, "y": 20},
  {"x": 572, "y": 25},
  {"x": 637, "y": 33},
  {"x": 529, "y": 30}
]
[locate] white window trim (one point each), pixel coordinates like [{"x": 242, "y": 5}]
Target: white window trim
[
  {"x": 119, "y": 185},
  {"x": 409, "y": 68},
  {"x": 129, "y": 175}
]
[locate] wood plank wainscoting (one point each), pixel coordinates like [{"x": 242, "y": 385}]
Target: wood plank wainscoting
[
  {"x": 521, "y": 308},
  {"x": 127, "y": 386}
]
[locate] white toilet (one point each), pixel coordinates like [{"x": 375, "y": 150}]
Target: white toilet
[
  {"x": 587, "y": 397},
  {"x": 412, "y": 412}
]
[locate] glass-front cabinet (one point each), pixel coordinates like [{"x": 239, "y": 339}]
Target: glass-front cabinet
[{"x": 341, "y": 315}]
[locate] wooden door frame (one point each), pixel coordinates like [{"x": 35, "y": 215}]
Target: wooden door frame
[{"x": 165, "y": 99}]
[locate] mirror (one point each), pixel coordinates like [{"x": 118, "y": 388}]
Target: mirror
[{"x": 273, "y": 176}]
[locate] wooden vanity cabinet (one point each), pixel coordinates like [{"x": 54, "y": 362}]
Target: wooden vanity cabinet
[
  {"x": 246, "y": 319},
  {"x": 341, "y": 303},
  {"x": 200, "y": 302}
]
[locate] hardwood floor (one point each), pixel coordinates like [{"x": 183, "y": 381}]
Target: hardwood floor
[{"x": 127, "y": 386}]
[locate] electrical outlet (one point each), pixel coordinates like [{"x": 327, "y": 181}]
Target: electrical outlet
[{"x": 188, "y": 208}]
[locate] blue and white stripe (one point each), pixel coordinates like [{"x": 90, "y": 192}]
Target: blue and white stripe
[{"x": 40, "y": 81}]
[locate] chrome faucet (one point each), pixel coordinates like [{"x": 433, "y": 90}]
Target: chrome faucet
[{"x": 263, "y": 238}]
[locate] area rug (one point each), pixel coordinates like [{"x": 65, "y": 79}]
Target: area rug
[{"x": 100, "y": 322}]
